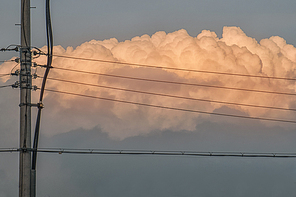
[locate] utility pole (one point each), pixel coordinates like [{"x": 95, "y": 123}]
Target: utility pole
[{"x": 25, "y": 84}]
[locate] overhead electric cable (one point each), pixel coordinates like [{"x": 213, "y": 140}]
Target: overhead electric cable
[
  {"x": 154, "y": 152},
  {"x": 14, "y": 67},
  {"x": 16, "y": 48},
  {"x": 169, "y": 153},
  {"x": 3, "y": 75},
  {"x": 178, "y": 69},
  {"x": 175, "y": 82},
  {"x": 3, "y": 61},
  {"x": 49, "y": 36},
  {"x": 8, "y": 150},
  {"x": 168, "y": 95},
  {"x": 5, "y": 86},
  {"x": 173, "y": 108}
]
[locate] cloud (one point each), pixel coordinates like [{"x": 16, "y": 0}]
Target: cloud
[
  {"x": 6, "y": 68},
  {"x": 134, "y": 175},
  {"x": 235, "y": 52}
]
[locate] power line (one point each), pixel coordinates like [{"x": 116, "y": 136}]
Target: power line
[
  {"x": 171, "y": 68},
  {"x": 174, "y": 108},
  {"x": 49, "y": 39},
  {"x": 5, "y": 86},
  {"x": 169, "y": 153},
  {"x": 168, "y": 95},
  {"x": 3, "y": 75},
  {"x": 8, "y": 150},
  {"x": 8, "y": 48},
  {"x": 175, "y": 82},
  {"x": 153, "y": 152},
  {"x": 3, "y": 61}
]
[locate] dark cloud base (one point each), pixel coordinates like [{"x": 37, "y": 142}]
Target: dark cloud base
[{"x": 93, "y": 175}]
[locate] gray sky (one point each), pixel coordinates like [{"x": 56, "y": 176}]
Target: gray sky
[{"x": 76, "y": 22}]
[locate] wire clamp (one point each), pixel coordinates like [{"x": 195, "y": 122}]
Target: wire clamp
[
  {"x": 42, "y": 66},
  {"x": 38, "y": 105},
  {"x": 25, "y": 49},
  {"x": 17, "y": 60},
  {"x": 16, "y": 73},
  {"x": 39, "y": 52},
  {"x": 16, "y": 49},
  {"x": 23, "y": 150},
  {"x": 35, "y": 88},
  {"x": 16, "y": 84}
]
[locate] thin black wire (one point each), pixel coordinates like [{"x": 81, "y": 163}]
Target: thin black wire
[
  {"x": 172, "y": 153},
  {"x": 3, "y": 75},
  {"x": 178, "y": 69},
  {"x": 175, "y": 82},
  {"x": 14, "y": 67},
  {"x": 7, "y": 61},
  {"x": 173, "y": 108},
  {"x": 153, "y": 152},
  {"x": 5, "y": 86},
  {"x": 49, "y": 36},
  {"x": 9, "y": 150},
  {"x": 8, "y": 48},
  {"x": 171, "y": 96}
]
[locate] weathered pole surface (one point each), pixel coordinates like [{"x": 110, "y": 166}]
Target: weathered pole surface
[{"x": 25, "y": 84}]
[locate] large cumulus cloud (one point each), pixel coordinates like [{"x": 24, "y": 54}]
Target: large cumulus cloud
[{"x": 235, "y": 52}]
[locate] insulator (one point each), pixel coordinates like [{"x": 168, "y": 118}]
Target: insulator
[
  {"x": 16, "y": 73},
  {"x": 17, "y": 60}
]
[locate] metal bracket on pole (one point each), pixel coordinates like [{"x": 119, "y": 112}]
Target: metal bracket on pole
[{"x": 38, "y": 105}]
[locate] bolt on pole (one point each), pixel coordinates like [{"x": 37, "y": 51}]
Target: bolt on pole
[{"x": 25, "y": 81}]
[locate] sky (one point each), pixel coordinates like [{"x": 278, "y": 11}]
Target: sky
[{"x": 246, "y": 37}]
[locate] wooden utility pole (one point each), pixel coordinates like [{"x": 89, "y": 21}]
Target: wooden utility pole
[{"x": 25, "y": 84}]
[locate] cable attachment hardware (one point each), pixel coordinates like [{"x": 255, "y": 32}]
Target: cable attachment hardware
[
  {"x": 35, "y": 76},
  {"x": 44, "y": 66},
  {"x": 16, "y": 84},
  {"x": 36, "y": 53},
  {"x": 38, "y": 105},
  {"x": 39, "y": 65},
  {"x": 35, "y": 88},
  {"x": 16, "y": 73},
  {"x": 23, "y": 149},
  {"x": 39, "y": 52},
  {"x": 10, "y": 49}
]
